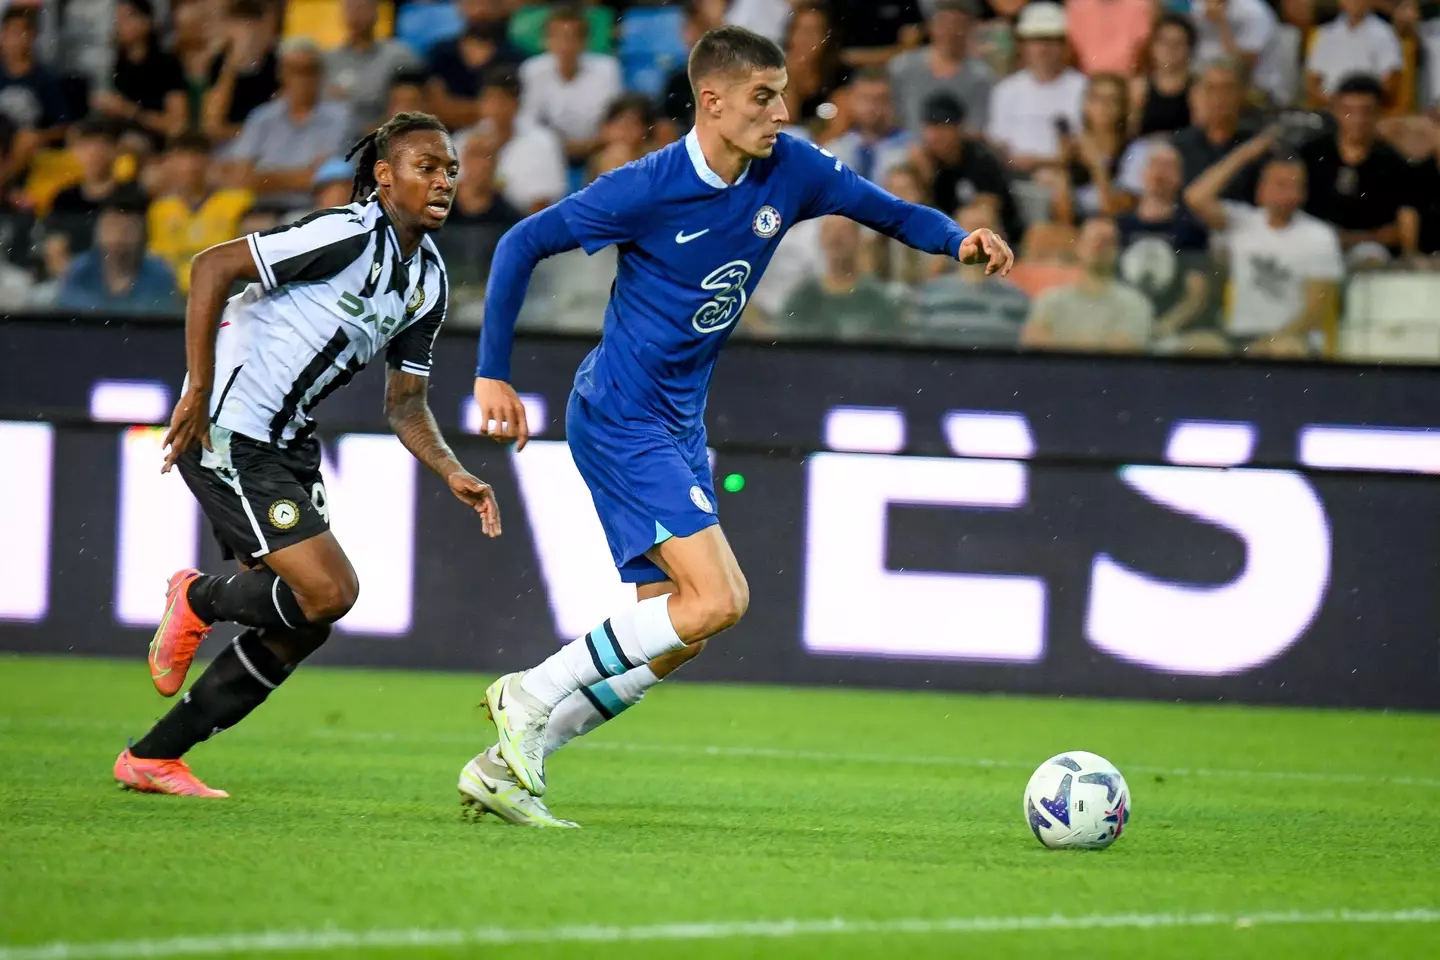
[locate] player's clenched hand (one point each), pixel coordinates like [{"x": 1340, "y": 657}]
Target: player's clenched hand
[
  {"x": 476, "y": 494},
  {"x": 502, "y": 415},
  {"x": 189, "y": 422},
  {"x": 984, "y": 246}
]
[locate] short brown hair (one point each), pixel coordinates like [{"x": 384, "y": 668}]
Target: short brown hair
[{"x": 731, "y": 49}]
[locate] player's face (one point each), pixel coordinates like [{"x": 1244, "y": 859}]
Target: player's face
[
  {"x": 752, "y": 111},
  {"x": 420, "y": 177}
]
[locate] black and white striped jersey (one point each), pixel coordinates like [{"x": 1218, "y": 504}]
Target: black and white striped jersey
[{"x": 333, "y": 291}]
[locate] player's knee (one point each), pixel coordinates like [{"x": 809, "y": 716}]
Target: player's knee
[
  {"x": 721, "y": 609},
  {"x": 329, "y": 601}
]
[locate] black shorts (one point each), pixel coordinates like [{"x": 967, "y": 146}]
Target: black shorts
[{"x": 259, "y": 497}]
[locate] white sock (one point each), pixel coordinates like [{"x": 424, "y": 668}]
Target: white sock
[
  {"x": 619, "y": 645},
  {"x": 588, "y": 707}
]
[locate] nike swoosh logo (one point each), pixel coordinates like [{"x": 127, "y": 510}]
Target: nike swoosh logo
[
  {"x": 683, "y": 237},
  {"x": 500, "y": 700}
]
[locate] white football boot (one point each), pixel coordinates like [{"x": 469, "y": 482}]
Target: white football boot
[
  {"x": 488, "y": 786},
  {"x": 520, "y": 720}
]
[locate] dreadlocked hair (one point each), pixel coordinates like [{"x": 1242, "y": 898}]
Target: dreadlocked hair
[{"x": 375, "y": 146}]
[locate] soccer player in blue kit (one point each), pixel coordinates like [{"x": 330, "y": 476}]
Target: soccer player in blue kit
[{"x": 696, "y": 224}]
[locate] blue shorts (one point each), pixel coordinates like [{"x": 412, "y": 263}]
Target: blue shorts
[{"x": 648, "y": 484}]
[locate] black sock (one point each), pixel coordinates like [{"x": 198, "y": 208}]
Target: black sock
[
  {"x": 256, "y": 598},
  {"x": 236, "y": 682}
]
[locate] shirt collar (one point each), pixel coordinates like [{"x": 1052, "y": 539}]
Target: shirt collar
[{"x": 702, "y": 167}]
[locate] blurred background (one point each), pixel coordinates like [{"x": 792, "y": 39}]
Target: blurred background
[
  {"x": 1093, "y": 134},
  {"x": 1226, "y": 214}
]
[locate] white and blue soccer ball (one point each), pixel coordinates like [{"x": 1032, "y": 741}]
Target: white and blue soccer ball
[{"x": 1077, "y": 800}]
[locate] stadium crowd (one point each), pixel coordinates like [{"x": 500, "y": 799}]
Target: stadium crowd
[{"x": 1211, "y": 176}]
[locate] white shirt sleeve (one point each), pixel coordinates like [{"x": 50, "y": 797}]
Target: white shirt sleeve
[
  {"x": 1254, "y": 26},
  {"x": 531, "y": 84},
  {"x": 1319, "y": 51},
  {"x": 313, "y": 248},
  {"x": 1390, "y": 59},
  {"x": 1324, "y": 259},
  {"x": 998, "y": 129}
]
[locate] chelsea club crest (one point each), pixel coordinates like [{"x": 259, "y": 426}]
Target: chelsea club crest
[{"x": 766, "y": 223}]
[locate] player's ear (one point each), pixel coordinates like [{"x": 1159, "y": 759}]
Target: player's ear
[{"x": 383, "y": 174}]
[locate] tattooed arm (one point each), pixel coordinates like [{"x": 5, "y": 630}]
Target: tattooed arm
[{"x": 408, "y": 410}]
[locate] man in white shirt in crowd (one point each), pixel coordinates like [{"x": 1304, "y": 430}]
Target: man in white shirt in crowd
[
  {"x": 530, "y": 160},
  {"x": 1029, "y": 108},
  {"x": 1096, "y": 313},
  {"x": 945, "y": 66},
  {"x": 1241, "y": 29},
  {"x": 873, "y": 145},
  {"x": 1357, "y": 41},
  {"x": 1285, "y": 265},
  {"x": 567, "y": 88}
]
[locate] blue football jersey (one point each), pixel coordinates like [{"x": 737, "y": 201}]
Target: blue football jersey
[{"x": 691, "y": 250}]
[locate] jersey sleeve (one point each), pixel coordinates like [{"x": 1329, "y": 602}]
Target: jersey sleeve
[
  {"x": 830, "y": 187},
  {"x": 316, "y": 247},
  {"x": 611, "y": 209},
  {"x": 413, "y": 349}
]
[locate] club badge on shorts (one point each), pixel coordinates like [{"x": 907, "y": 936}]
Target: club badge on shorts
[
  {"x": 697, "y": 497},
  {"x": 284, "y": 514},
  {"x": 766, "y": 223}
]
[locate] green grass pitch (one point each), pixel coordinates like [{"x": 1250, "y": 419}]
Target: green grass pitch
[{"x": 720, "y": 821}]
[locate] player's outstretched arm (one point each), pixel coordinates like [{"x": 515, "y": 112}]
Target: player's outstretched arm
[
  {"x": 836, "y": 189},
  {"x": 541, "y": 235},
  {"x": 213, "y": 274},
  {"x": 407, "y": 407}
]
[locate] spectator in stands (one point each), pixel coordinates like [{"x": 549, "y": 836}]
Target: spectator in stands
[
  {"x": 360, "y": 70},
  {"x": 1420, "y": 143},
  {"x": 31, "y": 96},
  {"x": 478, "y": 199},
  {"x": 1093, "y": 154},
  {"x": 17, "y": 222},
  {"x": 625, "y": 134},
  {"x": 769, "y": 18},
  {"x": 1238, "y": 29},
  {"x": 407, "y": 93},
  {"x": 843, "y": 303},
  {"x": 529, "y": 162},
  {"x": 568, "y": 89},
  {"x": 945, "y": 66},
  {"x": 871, "y": 33},
  {"x": 873, "y": 144},
  {"x": 1215, "y": 130},
  {"x": 1165, "y": 249},
  {"x": 813, "y": 63},
  {"x": 1109, "y": 36},
  {"x": 1097, "y": 313},
  {"x": 677, "y": 104},
  {"x": 73, "y": 210},
  {"x": 458, "y": 66},
  {"x": 1028, "y": 108},
  {"x": 191, "y": 42},
  {"x": 961, "y": 171},
  {"x": 284, "y": 142},
  {"x": 1356, "y": 42},
  {"x": 244, "y": 73},
  {"x": 333, "y": 185},
  {"x": 478, "y": 219},
  {"x": 1160, "y": 100},
  {"x": 55, "y": 262},
  {"x": 963, "y": 306},
  {"x": 146, "y": 84},
  {"x": 1287, "y": 50},
  {"x": 899, "y": 266},
  {"x": 1285, "y": 266},
  {"x": 118, "y": 276},
  {"x": 192, "y": 214},
  {"x": 1357, "y": 182}
]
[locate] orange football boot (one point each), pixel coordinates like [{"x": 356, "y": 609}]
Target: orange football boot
[
  {"x": 178, "y": 636},
  {"x": 160, "y": 776}
]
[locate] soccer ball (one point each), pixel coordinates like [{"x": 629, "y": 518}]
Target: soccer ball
[{"x": 1077, "y": 800}]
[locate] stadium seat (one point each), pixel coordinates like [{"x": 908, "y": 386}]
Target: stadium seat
[
  {"x": 652, "y": 46},
  {"x": 321, "y": 21},
  {"x": 423, "y": 25},
  {"x": 1391, "y": 316}
]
